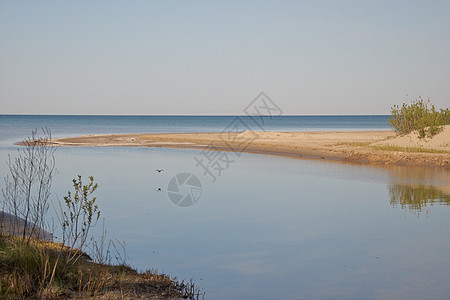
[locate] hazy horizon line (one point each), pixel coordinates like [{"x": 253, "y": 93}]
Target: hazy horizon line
[{"x": 192, "y": 115}]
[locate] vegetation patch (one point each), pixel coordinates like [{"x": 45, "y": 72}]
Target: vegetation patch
[
  {"x": 420, "y": 116},
  {"x": 30, "y": 270},
  {"x": 407, "y": 149},
  {"x": 395, "y": 148}
]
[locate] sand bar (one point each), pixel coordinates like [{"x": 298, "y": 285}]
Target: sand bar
[{"x": 372, "y": 147}]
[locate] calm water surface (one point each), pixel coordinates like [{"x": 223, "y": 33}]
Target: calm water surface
[{"x": 270, "y": 227}]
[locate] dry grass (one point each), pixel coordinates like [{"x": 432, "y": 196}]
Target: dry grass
[{"x": 35, "y": 271}]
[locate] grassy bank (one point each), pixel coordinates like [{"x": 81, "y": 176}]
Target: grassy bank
[
  {"x": 395, "y": 148},
  {"x": 35, "y": 269}
]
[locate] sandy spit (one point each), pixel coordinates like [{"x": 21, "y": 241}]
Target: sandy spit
[{"x": 352, "y": 146}]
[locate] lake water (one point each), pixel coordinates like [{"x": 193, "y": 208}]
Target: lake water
[{"x": 269, "y": 227}]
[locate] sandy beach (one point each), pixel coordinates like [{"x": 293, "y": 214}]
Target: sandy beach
[{"x": 372, "y": 147}]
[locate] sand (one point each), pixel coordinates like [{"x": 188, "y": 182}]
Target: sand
[
  {"x": 372, "y": 147},
  {"x": 440, "y": 142}
]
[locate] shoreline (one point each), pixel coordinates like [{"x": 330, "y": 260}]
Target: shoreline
[{"x": 364, "y": 147}]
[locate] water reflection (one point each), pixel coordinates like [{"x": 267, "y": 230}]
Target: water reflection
[
  {"x": 415, "y": 189},
  {"x": 416, "y": 198}
]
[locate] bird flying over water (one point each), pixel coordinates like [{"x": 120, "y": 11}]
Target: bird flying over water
[{"x": 159, "y": 170}]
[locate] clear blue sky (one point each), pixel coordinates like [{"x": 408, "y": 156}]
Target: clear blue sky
[{"x": 214, "y": 57}]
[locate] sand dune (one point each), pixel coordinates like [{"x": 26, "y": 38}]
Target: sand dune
[{"x": 440, "y": 141}]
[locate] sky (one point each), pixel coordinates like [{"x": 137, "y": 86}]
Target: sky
[{"x": 215, "y": 57}]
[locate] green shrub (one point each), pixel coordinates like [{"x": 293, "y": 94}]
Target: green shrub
[{"x": 420, "y": 116}]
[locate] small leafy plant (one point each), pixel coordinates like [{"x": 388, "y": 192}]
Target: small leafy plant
[
  {"x": 420, "y": 116},
  {"x": 81, "y": 213}
]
